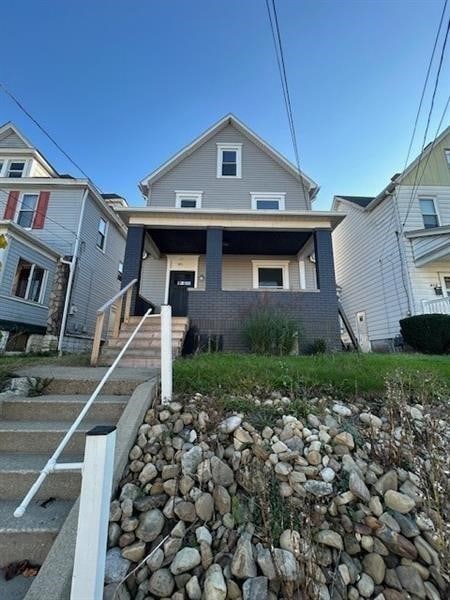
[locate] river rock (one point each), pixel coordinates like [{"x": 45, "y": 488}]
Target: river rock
[
  {"x": 215, "y": 587},
  {"x": 161, "y": 583},
  {"x": 255, "y": 588},
  {"x": 116, "y": 567},
  {"x": 411, "y": 581},
  {"x": 150, "y": 526},
  {"x": 221, "y": 472},
  {"x": 374, "y": 566},
  {"x": 243, "y": 564},
  {"x": 185, "y": 560},
  {"x": 398, "y": 501}
]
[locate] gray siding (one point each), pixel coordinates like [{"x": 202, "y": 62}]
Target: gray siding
[
  {"x": 17, "y": 310},
  {"x": 96, "y": 275},
  {"x": 12, "y": 140},
  {"x": 153, "y": 280},
  {"x": 260, "y": 173}
]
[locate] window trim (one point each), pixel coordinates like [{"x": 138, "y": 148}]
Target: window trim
[
  {"x": 271, "y": 264},
  {"x": 436, "y": 211},
  {"x": 443, "y": 277},
  {"x": 447, "y": 156},
  {"x": 19, "y": 208},
  {"x": 181, "y": 195},
  {"x": 224, "y": 146},
  {"x": 16, "y": 160},
  {"x": 280, "y": 197},
  {"x": 102, "y": 248},
  {"x": 43, "y": 289}
]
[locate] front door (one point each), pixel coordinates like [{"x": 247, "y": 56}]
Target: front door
[{"x": 179, "y": 283}]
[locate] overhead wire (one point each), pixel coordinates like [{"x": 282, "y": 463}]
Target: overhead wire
[{"x": 279, "y": 53}]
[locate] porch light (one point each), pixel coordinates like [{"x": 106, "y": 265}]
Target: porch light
[{"x": 438, "y": 290}]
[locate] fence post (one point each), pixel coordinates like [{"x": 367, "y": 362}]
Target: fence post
[
  {"x": 97, "y": 338},
  {"x": 166, "y": 353},
  {"x": 90, "y": 550}
]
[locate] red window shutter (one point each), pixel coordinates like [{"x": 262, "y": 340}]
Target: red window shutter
[
  {"x": 41, "y": 211},
  {"x": 11, "y": 206}
]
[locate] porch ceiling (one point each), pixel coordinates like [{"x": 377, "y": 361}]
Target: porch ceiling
[{"x": 193, "y": 241}]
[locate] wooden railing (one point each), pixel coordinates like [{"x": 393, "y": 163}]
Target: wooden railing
[{"x": 121, "y": 315}]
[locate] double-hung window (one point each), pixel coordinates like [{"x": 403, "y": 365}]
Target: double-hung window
[
  {"x": 27, "y": 210},
  {"x": 429, "y": 213},
  {"x": 229, "y": 160},
  {"x": 101, "y": 234},
  {"x": 188, "y": 199},
  {"x": 267, "y": 201},
  {"x": 16, "y": 169},
  {"x": 269, "y": 274},
  {"x": 29, "y": 281}
]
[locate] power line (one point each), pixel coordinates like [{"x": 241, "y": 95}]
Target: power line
[
  {"x": 44, "y": 131},
  {"x": 276, "y": 36},
  {"x": 436, "y": 84},
  {"x": 430, "y": 62}
]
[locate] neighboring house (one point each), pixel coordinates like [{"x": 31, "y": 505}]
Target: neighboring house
[
  {"x": 392, "y": 252},
  {"x": 65, "y": 248},
  {"x": 229, "y": 226}
]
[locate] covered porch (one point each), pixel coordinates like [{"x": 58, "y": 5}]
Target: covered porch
[{"x": 219, "y": 269}]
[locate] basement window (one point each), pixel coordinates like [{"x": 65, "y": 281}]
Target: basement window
[{"x": 29, "y": 281}]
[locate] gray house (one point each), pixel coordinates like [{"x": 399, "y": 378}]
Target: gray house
[
  {"x": 64, "y": 250},
  {"x": 229, "y": 226}
]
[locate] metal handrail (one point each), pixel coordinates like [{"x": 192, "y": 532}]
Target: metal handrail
[
  {"x": 119, "y": 294},
  {"x": 51, "y": 465}
]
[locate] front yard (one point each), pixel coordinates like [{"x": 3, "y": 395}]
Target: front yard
[{"x": 342, "y": 374}]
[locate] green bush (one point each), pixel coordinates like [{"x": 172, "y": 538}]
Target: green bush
[
  {"x": 318, "y": 346},
  {"x": 270, "y": 332},
  {"x": 427, "y": 333}
]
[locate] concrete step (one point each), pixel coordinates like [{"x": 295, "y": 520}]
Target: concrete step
[
  {"x": 42, "y": 437},
  {"x": 31, "y": 536},
  {"x": 54, "y": 407},
  {"x": 19, "y": 471},
  {"x": 136, "y": 362}
]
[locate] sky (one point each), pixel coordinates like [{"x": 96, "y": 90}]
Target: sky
[{"x": 123, "y": 85}]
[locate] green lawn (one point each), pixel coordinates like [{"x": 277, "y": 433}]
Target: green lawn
[{"x": 345, "y": 374}]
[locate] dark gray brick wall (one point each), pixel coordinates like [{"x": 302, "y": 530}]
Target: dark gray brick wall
[
  {"x": 214, "y": 311},
  {"x": 214, "y": 238}
]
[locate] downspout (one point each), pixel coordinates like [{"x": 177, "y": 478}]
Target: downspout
[{"x": 72, "y": 267}]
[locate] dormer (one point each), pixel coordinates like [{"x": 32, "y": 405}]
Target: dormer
[{"x": 19, "y": 158}]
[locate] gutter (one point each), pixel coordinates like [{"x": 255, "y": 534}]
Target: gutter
[{"x": 73, "y": 264}]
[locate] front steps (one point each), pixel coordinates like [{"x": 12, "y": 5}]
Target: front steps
[
  {"x": 145, "y": 349},
  {"x": 30, "y": 430}
]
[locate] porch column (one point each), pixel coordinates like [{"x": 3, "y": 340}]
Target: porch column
[
  {"x": 214, "y": 239},
  {"x": 323, "y": 249},
  {"x": 132, "y": 262}
]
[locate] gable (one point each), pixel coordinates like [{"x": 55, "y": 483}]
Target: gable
[
  {"x": 9, "y": 138},
  {"x": 197, "y": 170},
  {"x": 229, "y": 121},
  {"x": 433, "y": 168}
]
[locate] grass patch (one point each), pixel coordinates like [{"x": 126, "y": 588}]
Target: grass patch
[
  {"x": 349, "y": 375},
  {"x": 11, "y": 363}
]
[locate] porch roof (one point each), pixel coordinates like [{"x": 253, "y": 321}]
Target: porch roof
[
  {"x": 193, "y": 241},
  {"x": 179, "y": 218}
]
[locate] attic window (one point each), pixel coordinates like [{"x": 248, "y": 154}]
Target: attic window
[
  {"x": 429, "y": 213},
  {"x": 188, "y": 199},
  {"x": 229, "y": 161},
  {"x": 267, "y": 201},
  {"x": 16, "y": 169}
]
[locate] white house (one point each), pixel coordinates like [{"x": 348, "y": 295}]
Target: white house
[{"x": 392, "y": 252}]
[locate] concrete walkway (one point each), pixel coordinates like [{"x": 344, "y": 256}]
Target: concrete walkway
[{"x": 89, "y": 373}]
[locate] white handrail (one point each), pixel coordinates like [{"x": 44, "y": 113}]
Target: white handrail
[
  {"x": 51, "y": 463},
  {"x": 116, "y": 297}
]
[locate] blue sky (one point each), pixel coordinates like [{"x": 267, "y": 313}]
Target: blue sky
[{"x": 123, "y": 85}]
